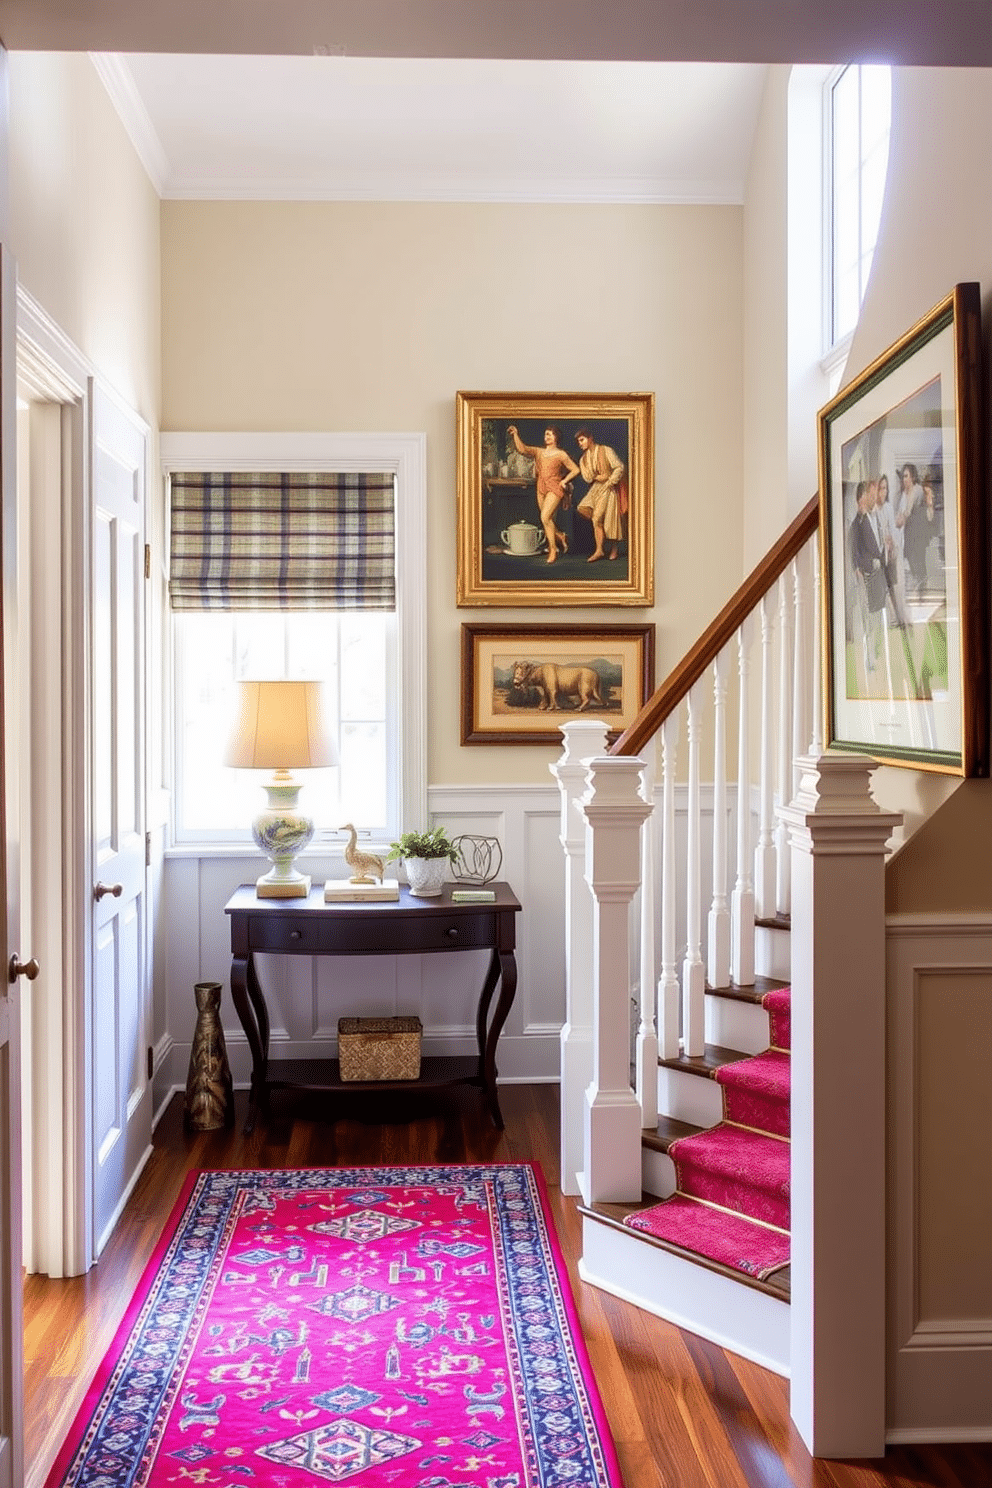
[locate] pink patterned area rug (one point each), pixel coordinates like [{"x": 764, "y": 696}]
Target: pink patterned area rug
[{"x": 410, "y": 1327}]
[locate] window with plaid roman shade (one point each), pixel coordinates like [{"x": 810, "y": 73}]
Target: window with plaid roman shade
[{"x": 302, "y": 540}]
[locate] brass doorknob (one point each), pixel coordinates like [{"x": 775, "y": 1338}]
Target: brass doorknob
[
  {"x": 101, "y": 889},
  {"x": 29, "y": 969}
]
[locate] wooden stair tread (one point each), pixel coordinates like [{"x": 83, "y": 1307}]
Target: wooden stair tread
[
  {"x": 668, "y": 1130},
  {"x": 778, "y": 1285},
  {"x": 748, "y": 992},
  {"x": 705, "y": 1064},
  {"x": 774, "y": 922}
]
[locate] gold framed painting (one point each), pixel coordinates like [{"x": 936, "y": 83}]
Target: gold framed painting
[
  {"x": 555, "y": 498},
  {"x": 905, "y": 550},
  {"x": 520, "y": 683}
]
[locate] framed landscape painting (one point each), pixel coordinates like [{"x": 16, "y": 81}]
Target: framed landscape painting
[
  {"x": 904, "y": 537},
  {"x": 520, "y": 683},
  {"x": 555, "y": 498}
]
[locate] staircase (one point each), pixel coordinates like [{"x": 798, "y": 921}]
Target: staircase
[
  {"x": 731, "y": 1200},
  {"x": 699, "y": 905},
  {"x": 719, "y": 1162},
  {"x": 713, "y": 870}
]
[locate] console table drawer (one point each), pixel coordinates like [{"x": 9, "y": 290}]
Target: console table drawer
[{"x": 309, "y": 934}]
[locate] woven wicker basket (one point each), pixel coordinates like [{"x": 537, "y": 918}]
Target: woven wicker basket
[{"x": 379, "y": 1048}]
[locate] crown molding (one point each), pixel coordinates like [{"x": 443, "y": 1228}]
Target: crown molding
[
  {"x": 118, "y": 80},
  {"x": 611, "y": 191}
]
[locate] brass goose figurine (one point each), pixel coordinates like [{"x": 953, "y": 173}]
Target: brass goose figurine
[{"x": 365, "y": 868}]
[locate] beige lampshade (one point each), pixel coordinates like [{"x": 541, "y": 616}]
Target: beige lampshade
[{"x": 281, "y": 726}]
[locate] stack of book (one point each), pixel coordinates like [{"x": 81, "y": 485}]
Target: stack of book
[{"x": 343, "y": 891}]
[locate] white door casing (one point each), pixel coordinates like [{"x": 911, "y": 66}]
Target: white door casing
[
  {"x": 54, "y": 383},
  {"x": 120, "y": 981},
  {"x": 11, "y": 1336}
]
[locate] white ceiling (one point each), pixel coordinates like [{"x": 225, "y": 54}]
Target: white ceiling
[{"x": 418, "y": 129}]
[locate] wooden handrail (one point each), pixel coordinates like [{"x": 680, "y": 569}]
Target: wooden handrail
[{"x": 692, "y": 666}]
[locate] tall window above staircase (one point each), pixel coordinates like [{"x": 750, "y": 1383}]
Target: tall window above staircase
[{"x": 858, "y": 115}]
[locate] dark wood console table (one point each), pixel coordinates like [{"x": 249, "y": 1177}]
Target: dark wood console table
[{"x": 309, "y": 927}]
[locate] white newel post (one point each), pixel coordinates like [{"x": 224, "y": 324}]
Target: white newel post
[
  {"x": 838, "y": 839},
  {"x": 582, "y": 741},
  {"x": 614, "y": 810}
]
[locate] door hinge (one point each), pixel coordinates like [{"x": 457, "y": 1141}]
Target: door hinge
[
  {"x": 151, "y": 1062},
  {"x": 148, "y": 849},
  {"x": 148, "y": 560}
]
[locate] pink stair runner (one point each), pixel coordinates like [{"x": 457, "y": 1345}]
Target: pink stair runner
[{"x": 731, "y": 1203}]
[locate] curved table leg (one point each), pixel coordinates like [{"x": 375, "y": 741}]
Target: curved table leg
[
  {"x": 254, "y": 1015},
  {"x": 502, "y": 968}
]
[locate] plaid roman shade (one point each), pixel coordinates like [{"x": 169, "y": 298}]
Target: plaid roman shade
[{"x": 305, "y": 540}]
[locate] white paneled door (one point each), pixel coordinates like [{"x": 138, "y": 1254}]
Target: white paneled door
[{"x": 120, "y": 1015}]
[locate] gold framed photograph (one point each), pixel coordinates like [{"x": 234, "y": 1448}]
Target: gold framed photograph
[
  {"x": 904, "y": 534},
  {"x": 520, "y": 683},
  {"x": 555, "y": 498}
]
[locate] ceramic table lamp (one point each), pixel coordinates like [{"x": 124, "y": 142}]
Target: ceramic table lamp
[{"x": 281, "y": 727}]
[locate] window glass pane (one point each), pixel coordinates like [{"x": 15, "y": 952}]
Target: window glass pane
[
  {"x": 845, "y": 111},
  {"x": 363, "y": 771},
  {"x": 876, "y": 106},
  {"x": 860, "y": 109},
  {"x": 872, "y": 193},
  {"x": 363, "y": 685},
  {"x": 215, "y": 649},
  {"x": 847, "y": 291}
]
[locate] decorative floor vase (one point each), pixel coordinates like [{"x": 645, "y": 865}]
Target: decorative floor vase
[
  {"x": 209, "y": 1103},
  {"x": 426, "y": 876}
]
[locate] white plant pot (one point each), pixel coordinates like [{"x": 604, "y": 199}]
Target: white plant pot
[{"x": 426, "y": 876}]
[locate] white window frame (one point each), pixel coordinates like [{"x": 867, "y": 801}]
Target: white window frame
[{"x": 405, "y": 457}]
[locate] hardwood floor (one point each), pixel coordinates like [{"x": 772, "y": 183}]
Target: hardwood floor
[{"x": 684, "y": 1413}]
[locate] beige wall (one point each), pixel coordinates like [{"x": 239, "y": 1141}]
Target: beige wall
[
  {"x": 766, "y": 267},
  {"x": 85, "y": 221},
  {"x": 936, "y": 232},
  {"x": 371, "y": 316}
]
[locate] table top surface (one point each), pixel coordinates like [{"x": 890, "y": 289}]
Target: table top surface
[{"x": 244, "y": 900}]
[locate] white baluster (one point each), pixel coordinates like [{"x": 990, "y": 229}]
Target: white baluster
[
  {"x": 800, "y": 695},
  {"x": 718, "y": 957},
  {"x": 816, "y": 735},
  {"x": 614, "y": 812},
  {"x": 764, "y": 853},
  {"x": 582, "y": 740},
  {"x": 742, "y": 899},
  {"x": 693, "y": 978},
  {"x": 646, "y": 1049},
  {"x": 783, "y": 860},
  {"x": 668, "y": 981}
]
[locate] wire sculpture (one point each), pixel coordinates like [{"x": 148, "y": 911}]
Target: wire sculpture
[{"x": 479, "y": 858}]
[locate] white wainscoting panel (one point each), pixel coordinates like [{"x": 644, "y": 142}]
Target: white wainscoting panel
[
  {"x": 307, "y": 996},
  {"x": 939, "y": 989}
]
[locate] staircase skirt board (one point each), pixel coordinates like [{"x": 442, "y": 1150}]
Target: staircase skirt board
[{"x": 741, "y": 1317}]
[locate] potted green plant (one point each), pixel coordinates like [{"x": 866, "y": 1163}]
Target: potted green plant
[{"x": 425, "y": 856}]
